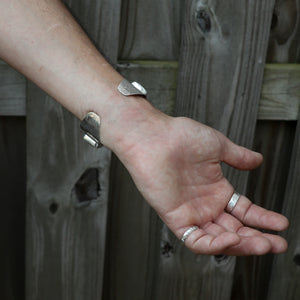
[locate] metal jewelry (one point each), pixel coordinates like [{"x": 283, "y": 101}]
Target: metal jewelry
[
  {"x": 91, "y": 128},
  {"x": 91, "y": 122},
  {"x": 188, "y": 232},
  {"x": 233, "y": 201},
  {"x": 131, "y": 89}
]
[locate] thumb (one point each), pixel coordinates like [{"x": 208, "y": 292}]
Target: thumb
[{"x": 240, "y": 157}]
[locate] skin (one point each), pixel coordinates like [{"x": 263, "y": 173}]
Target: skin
[{"x": 174, "y": 162}]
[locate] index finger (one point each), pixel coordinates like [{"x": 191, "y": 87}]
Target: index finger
[{"x": 255, "y": 216}]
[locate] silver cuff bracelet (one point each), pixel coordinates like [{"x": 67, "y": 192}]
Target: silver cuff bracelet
[{"x": 91, "y": 123}]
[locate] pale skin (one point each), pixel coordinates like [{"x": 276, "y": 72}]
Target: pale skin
[{"x": 174, "y": 162}]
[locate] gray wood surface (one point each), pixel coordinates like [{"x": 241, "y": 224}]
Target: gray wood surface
[
  {"x": 284, "y": 43},
  {"x": 280, "y": 97},
  {"x": 134, "y": 245},
  {"x": 223, "y": 48},
  {"x": 67, "y": 184},
  {"x": 275, "y": 140},
  {"x": 222, "y": 58},
  {"x": 158, "y": 77},
  {"x": 101, "y": 20},
  {"x": 12, "y": 92},
  {"x": 150, "y": 29},
  {"x": 266, "y": 187},
  {"x": 12, "y": 213},
  {"x": 284, "y": 282}
]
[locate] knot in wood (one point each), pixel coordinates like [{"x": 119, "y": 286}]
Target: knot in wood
[
  {"x": 53, "y": 207},
  {"x": 87, "y": 188},
  {"x": 220, "y": 259},
  {"x": 284, "y": 21},
  {"x": 167, "y": 249},
  {"x": 203, "y": 20},
  {"x": 297, "y": 259}
]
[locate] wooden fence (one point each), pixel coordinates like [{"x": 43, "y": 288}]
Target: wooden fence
[{"x": 234, "y": 65}]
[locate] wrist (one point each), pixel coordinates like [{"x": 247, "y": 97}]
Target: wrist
[{"x": 125, "y": 121}]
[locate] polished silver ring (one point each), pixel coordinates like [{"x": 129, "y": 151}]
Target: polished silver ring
[
  {"x": 188, "y": 232},
  {"x": 233, "y": 201}
]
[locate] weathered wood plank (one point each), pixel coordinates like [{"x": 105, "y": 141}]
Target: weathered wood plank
[
  {"x": 66, "y": 219},
  {"x": 280, "y": 96},
  {"x": 101, "y": 20},
  {"x": 285, "y": 47},
  {"x": 67, "y": 184},
  {"x": 221, "y": 70},
  {"x": 12, "y": 213},
  {"x": 150, "y": 30},
  {"x": 284, "y": 44},
  {"x": 133, "y": 243},
  {"x": 158, "y": 77},
  {"x": 12, "y": 92},
  {"x": 133, "y": 226},
  {"x": 284, "y": 282},
  {"x": 267, "y": 185},
  {"x": 280, "y": 99}
]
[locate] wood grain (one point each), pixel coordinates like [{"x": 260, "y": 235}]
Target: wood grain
[
  {"x": 266, "y": 187},
  {"x": 286, "y": 48},
  {"x": 12, "y": 214},
  {"x": 67, "y": 184},
  {"x": 65, "y": 236},
  {"x": 280, "y": 98},
  {"x": 223, "y": 48},
  {"x": 284, "y": 43},
  {"x": 150, "y": 30},
  {"x": 134, "y": 246},
  {"x": 284, "y": 282},
  {"x": 12, "y": 92},
  {"x": 274, "y": 139},
  {"x": 158, "y": 77}
]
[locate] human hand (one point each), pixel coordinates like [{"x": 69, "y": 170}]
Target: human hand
[{"x": 175, "y": 163}]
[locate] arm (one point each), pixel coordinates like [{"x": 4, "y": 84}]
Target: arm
[{"x": 175, "y": 162}]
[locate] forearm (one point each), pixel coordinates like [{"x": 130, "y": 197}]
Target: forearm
[{"x": 41, "y": 39}]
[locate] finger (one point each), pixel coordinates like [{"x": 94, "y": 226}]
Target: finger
[
  {"x": 240, "y": 157},
  {"x": 250, "y": 245},
  {"x": 230, "y": 223},
  {"x": 279, "y": 244},
  {"x": 256, "y": 216},
  {"x": 200, "y": 242}
]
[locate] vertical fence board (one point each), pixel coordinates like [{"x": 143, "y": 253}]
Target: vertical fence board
[
  {"x": 221, "y": 69},
  {"x": 284, "y": 44},
  {"x": 67, "y": 184},
  {"x": 133, "y": 242},
  {"x": 150, "y": 30},
  {"x": 147, "y": 32},
  {"x": 12, "y": 92},
  {"x": 274, "y": 140},
  {"x": 285, "y": 47},
  {"x": 267, "y": 187},
  {"x": 284, "y": 282},
  {"x": 12, "y": 218}
]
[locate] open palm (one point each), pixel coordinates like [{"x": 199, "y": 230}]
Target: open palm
[{"x": 177, "y": 169}]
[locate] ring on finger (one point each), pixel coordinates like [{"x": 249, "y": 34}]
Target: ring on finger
[
  {"x": 233, "y": 202},
  {"x": 188, "y": 232}
]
